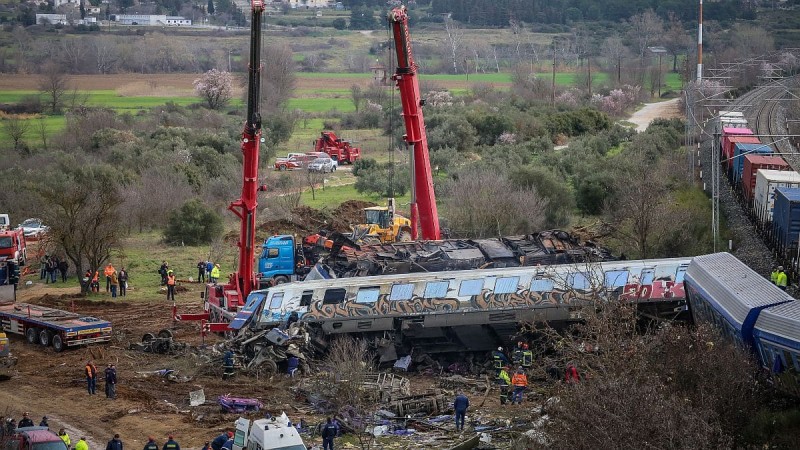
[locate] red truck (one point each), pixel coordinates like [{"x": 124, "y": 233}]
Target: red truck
[
  {"x": 12, "y": 245},
  {"x": 296, "y": 160},
  {"x": 338, "y": 149}
]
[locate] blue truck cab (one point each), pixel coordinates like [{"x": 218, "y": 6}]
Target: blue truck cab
[{"x": 278, "y": 260}]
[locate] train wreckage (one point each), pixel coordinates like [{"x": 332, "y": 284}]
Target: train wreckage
[{"x": 456, "y": 313}]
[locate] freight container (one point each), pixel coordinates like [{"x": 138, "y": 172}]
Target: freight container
[
  {"x": 751, "y": 165},
  {"x": 739, "y": 152},
  {"x": 730, "y": 119},
  {"x": 766, "y": 182},
  {"x": 729, "y": 141},
  {"x": 786, "y": 220}
]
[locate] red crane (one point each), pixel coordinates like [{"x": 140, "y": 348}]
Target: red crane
[
  {"x": 222, "y": 301},
  {"x": 423, "y": 198}
]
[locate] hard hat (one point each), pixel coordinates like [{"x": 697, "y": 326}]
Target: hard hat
[
  {"x": 169, "y": 271},
  {"x": 151, "y": 438},
  {"x": 170, "y": 436},
  {"x": 499, "y": 349},
  {"x": 525, "y": 346},
  {"x": 780, "y": 267},
  {"x": 230, "y": 433}
]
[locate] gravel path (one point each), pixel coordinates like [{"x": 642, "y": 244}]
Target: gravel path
[{"x": 657, "y": 110}]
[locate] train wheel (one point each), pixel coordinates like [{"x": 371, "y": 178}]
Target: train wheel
[
  {"x": 147, "y": 338},
  {"x": 58, "y": 343},
  {"x": 44, "y": 337},
  {"x": 32, "y": 335},
  {"x": 166, "y": 334},
  {"x": 268, "y": 366}
]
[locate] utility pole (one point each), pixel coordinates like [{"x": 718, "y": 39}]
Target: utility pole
[
  {"x": 554, "y": 74},
  {"x": 700, "y": 45}
]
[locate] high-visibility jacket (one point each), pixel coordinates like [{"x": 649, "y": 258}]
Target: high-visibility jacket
[
  {"x": 215, "y": 272},
  {"x": 773, "y": 277},
  {"x": 91, "y": 371},
  {"x": 109, "y": 270},
  {"x": 96, "y": 276},
  {"x": 499, "y": 359},
  {"x": 171, "y": 445},
  {"x": 781, "y": 280},
  {"x": 81, "y": 445},
  {"x": 517, "y": 356},
  {"x": 502, "y": 378},
  {"x": 519, "y": 379},
  {"x": 171, "y": 280},
  {"x": 527, "y": 358},
  {"x": 65, "y": 437}
]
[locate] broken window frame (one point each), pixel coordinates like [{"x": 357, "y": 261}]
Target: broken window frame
[
  {"x": 573, "y": 277},
  {"x": 373, "y": 293},
  {"x": 276, "y": 295},
  {"x": 306, "y": 298},
  {"x": 332, "y": 296},
  {"x": 618, "y": 280}
]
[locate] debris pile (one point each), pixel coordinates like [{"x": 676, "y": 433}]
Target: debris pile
[{"x": 163, "y": 343}]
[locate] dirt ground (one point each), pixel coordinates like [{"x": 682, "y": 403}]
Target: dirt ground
[
  {"x": 651, "y": 111},
  {"x": 51, "y": 384}
]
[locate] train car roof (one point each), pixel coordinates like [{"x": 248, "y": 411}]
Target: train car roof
[
  {"x": 732, "y": 286},
  {"x": 468, "y": 274},
  {"x": 781, "y": 321}
]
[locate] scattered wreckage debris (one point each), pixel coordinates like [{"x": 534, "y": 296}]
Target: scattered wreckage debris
[
  {"x": 239, "y": 405},
  {"x": 163, "y": 343},
  {"x": 167, "y": 374},
  {"x": 260, "y": 351}
]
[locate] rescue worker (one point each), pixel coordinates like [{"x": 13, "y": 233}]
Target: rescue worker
[
  {"x": 328, "y": 433},
  {"x": 460, "y": 406},
  {"x": 62, "y": 433},
  {"x": 44, "y": 423},
  {"x": 82, "y": 445},
  {"x": 91, "y": 377},
  {"x": 151, "y": 444},
  {"x": 114, "y": 284},
  {"x": 499, "y": 360},
  {"x": 201, "y": 271},
  {"x": 220, "y": 440},
  {"x": 227, "y": 366},
  {"x": 96, "y": 281},
  {"x": 503, "y": 381},
  {"x": 773, "y": 276},
  {"x": 11, "y": 426},
  {"x": 516, "y": 355},
  {"x": 171, "y": 444},
  {"x": 123, "y": 282},
  {"x": 170, "y": 285},
  {"x": 107, "y": 272},
  {"x": 111, "y": 381},
  {"x": 163, "y": 272},
  {"x": 115, "y": 443},
  {"x": 215, "y": 273},
  {"x": 520, "y": 382},
  {"x": 527, "y": 357},
  {"x": 781, "y": 280},
  {"x": 25, "y": 421}
]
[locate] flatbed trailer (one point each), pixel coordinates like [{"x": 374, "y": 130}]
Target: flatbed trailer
[{"x": 50, "y": 326}]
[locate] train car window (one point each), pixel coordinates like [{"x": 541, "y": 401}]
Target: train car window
[
  {"x": 368, "y": 294},
  {"x": 305, "y": 300},
  {"x": 276, "y": 300},
  {"x": 401, "y": 292},
  {"x": 469, "y": 288},
  {"x": 334, "y": 296},
  {"x": 578, "y": 280},
  {"x": 680, "y": 274},
  {"x": 506, "y": 285},
  {"x": 542, "y": 285},
  {"x": 616, "y": 279},
  {"x": 648, "y": 275},
  {"x": 436, "y": 289}
]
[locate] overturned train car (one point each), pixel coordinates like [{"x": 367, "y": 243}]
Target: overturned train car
[
  {"x": 550, "y": 247},
  {"x": 463, "y": 311}
]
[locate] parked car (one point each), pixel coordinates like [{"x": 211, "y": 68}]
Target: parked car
[
  {"x": 324, "y": 165},
  {"x": 34, "y": 438},
  {"x": 33, "y": 228},
  {"x": 296, "y": 160}
]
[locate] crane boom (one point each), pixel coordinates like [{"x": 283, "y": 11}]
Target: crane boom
[
  {"x": 423, "y": 198},
  {"x": 245, "y": 207}
]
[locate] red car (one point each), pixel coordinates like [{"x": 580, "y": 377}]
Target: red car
[
  {"x": 34, "y": 438},
  {"x": 296, "y": 160}
]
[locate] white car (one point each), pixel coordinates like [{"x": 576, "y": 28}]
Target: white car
[
  {"x": 323, "y": 165},
  {"x": 34, "y": 227}
]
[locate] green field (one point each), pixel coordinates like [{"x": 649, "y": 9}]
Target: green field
[
  {"x": 322, "y": 104},
  {"x": 332, "y": 197}
]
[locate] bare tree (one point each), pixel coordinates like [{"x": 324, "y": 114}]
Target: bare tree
[
  {"x": 454, "y": 41},
  {"x": 147, "y": 203},
  {"x": 83, "y": 211},
  {"x": 43, "y": 131},
  {"x": 105, "y": 52},
  {"x": 315, "y": 179},
  {"x": 645, "y": 28},
  {"x": 278, "y": 78},
  {"x": 676, "y": 39},
  {"x": 357, "y": 96},
  {"x": 53, "y": 84},
  {"x": 16, "y": 128},
  {"x": 484, "y": 203}
]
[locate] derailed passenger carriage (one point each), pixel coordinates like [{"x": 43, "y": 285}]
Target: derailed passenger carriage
[{"x": 473, "y": 310}]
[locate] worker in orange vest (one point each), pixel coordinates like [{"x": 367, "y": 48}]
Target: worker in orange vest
[
  {"x": 170, "y": 285},
  {"x": 96, "y": 281},
  {"x": 520, "y": 383},
  {"x": 108, "y": 271}
]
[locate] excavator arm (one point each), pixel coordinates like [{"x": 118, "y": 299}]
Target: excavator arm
[{"x": 423, "y": 198}]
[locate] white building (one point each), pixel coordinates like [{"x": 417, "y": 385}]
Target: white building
[
  {"x": 52, "y": 19},
  {"x": 151, "y": 20},
  {"x": 305, "y": 4},
  {"x": 57, "y": 3}
]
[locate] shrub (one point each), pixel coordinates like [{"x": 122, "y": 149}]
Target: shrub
[{"x": 193, "y": 224}]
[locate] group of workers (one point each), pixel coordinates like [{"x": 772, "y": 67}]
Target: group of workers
[
  {"x": 522, "y": 358},
  {"x": 116, "y": 282},
  {"x": 110, "y": 376},
  {"x": 207, "y": 270},
  {"x": 779, "y": 277}
]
